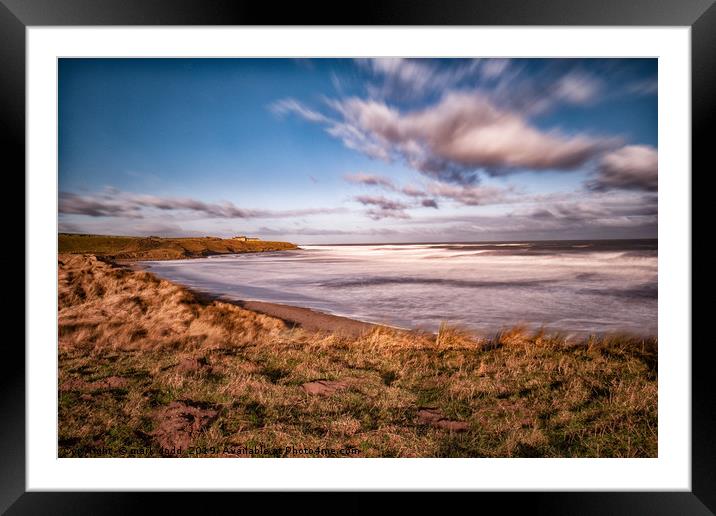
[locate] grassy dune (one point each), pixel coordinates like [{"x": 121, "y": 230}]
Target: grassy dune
[
  {"x": 146, "y": 367},
  {"x": 156, "y": 248}
]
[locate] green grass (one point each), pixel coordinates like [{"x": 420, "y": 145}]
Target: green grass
[
  {"x": 567, "y": 401},
  {"x": 519, "y": 393},
  {"x": 155, "y": 248}
]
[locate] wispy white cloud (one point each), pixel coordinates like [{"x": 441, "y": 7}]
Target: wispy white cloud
[
  {"x": 644, "y": 87},
  {"x": 401, "y": 78},
  {"x": 470, "y": 195},
  {"x": 369, "y": 179},
  {"x": 577, "y": 88},
  {"x": 454, "y": 139},
  {"x": 292, "y": 106}
]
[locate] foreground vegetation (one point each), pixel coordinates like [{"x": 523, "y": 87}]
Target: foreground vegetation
[
  {"x": 157, "y": 248},
  {"x": 148, "y": 369}
]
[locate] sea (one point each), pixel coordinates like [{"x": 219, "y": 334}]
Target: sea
[{"x": 573, "y": 287}]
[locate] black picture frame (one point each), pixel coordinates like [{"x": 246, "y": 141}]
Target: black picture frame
[{"x": 17, "y": 15}]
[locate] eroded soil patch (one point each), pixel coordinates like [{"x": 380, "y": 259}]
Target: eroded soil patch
[{"x": 178, "y": 423}]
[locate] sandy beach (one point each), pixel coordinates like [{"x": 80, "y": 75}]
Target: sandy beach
[
  {"x": 309, "y": 319},
  {"x": 131, "y": 252},
  {"x": 293, "y": 316}
]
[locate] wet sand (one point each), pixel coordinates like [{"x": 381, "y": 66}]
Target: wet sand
[{"x": 307, "y": 318}]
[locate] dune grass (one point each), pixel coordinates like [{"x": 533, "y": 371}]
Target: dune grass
[
  {"x": 148, "y": 369},
  {"x": 156, "y": 248}
]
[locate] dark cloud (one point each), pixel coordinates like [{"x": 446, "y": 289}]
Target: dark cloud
[
  {"x": 380, "y": 201},
  {"x": 96, "y": 206},
  {"x": 113, "y": 203},
  {"x": 383, "y": 207},
  {"x": 384, "y": 183},
  {"x": 634, "y": 167},
  {"x": 387, "y": 208},
  {"x": 469, "y": 195}
]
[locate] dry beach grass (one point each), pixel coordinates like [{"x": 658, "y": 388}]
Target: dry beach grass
[{"x": 146, "y": 366}]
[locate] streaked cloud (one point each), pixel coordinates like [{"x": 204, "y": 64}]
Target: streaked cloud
[
  {"x": 577, "y": 88},
  {"x": 413, "y": 191},
  {"x": 470, "y": 195},
  {"x": 458, "y": 137},
  {"x": 113, "y": 203},
  {"x": 467, "y": 195},
  {"x": 401, "y": 78},
  {"x": 369, "y": 179},
  {"x": 382, "y": 207},
  {"x": 613, "y": 215},
  {"x": 644, "y": 87},
  {"x": 633, "y": 167},
  {"x": 291, "y": 106}
]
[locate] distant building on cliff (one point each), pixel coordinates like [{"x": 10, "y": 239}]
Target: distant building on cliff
[{"x": 245, "y": 238}]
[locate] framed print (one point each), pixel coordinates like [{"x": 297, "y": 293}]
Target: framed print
[{"x": 410, "y": 251}]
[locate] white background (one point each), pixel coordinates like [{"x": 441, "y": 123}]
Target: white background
[{"x": 672, "y": 468}]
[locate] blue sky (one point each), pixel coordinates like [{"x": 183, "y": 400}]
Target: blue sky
[{"x": 359, "y": 150}]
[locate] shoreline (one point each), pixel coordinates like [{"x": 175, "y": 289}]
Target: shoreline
[
  {"x": 306, "y": 318},
  {"x": 315, "y": 320},
  {"x": 295, "y": 316}
]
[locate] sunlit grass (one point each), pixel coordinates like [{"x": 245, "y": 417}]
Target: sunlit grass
[
  {"x": 155, "y": 248},
  {"x": 143, "y": 361}
]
